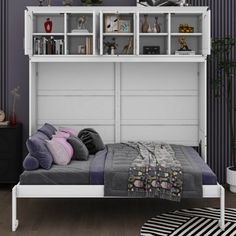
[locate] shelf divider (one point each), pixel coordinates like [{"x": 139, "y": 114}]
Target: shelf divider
[{"x": 65, "y": 34}]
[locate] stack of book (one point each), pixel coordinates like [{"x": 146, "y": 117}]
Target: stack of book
[
  {"x": 4, "y": 123},
  {"x": 48, "y": 45}
]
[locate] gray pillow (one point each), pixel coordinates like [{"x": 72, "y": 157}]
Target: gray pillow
[
  {"x": 80, "y": 150},
  {"x": 48, "y": 130},
  {"x": 92, "y": 140}
]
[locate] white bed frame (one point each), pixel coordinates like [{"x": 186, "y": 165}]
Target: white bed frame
[{"x": 170, "y": 89}]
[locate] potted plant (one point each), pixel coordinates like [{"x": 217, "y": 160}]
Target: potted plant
[
  {"x": 15, "y": 94},
  {"x": 225, "y": 81}
]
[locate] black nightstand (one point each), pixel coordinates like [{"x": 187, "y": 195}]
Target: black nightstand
[{"x": 10, "y": 153}]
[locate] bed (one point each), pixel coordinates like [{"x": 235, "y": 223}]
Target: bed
[
  {"x": 105, "y": 174},
  {"x": 125, "y": 98}
]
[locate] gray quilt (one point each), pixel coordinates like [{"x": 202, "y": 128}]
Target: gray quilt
[{"x": 120, "y": 157}]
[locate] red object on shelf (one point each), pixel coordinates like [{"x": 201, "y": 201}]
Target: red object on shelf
[{"x": 48, "y": 25}]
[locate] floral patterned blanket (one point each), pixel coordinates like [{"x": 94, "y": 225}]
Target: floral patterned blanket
[{"x": 155, "y": 172}]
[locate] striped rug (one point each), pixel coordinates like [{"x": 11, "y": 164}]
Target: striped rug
[{"x": 191, "y": 222}]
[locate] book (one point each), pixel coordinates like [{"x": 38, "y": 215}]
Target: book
[
  {"x": 185, "y": 53},
  {"x": 48, "y": 45},
  {"x": 4, "y": 123},
  {"x": 79, "y": 31}
]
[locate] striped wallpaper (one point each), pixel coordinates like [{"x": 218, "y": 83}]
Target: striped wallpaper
[
  {"x": 223, "y": 24},
  {"x": 3, "y": 55}
]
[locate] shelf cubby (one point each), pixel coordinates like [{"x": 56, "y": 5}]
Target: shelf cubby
[
  {"x": 151, "y": 20},
  {"x": 57, "y": 23},
  {"x": 80, "y": 45},
  {"x": 193, "y": 20},
  {"x": 194, "y": 43},
  {"x": 73, "y": 23},
  {"x": 156, "y": 41},
  {"x": 121, "y": 42},
  {"x": 118, "y": 22}
]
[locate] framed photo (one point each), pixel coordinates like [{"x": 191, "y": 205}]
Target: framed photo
[
  {"x": 111, "y": 23},
  {"x": 124, "y": 26}
]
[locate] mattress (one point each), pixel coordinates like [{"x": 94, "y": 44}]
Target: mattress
[{"x": 78, "y": 172}]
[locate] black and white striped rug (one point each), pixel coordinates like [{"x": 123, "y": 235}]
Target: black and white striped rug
[{"x": 191, "y": 222}]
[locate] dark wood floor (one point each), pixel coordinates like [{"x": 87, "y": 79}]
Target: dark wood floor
[{"x": 88, "y": 217}]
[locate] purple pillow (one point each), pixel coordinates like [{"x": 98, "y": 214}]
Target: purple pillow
[
  {"x": 59, "y": 153},
  {"x": 60, "y": 134},
  {"x": 48, "y": 130},
  {"x": 36, "y": 145},
  {"x": 66, "y": 145},
  {"x": 30, "y": 163},
  {"x": 70, "y": 131}
]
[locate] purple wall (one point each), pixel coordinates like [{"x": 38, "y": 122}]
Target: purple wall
[{"x": 223, "y": 19}]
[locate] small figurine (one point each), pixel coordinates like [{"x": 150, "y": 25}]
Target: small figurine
[
  {"x": 41, "y": 2},
  {"x": 111, "y": 46},
  {"x": 128, "y": 48},
  {"x": 185, "y": 28},
  {"x": 81, "y": 22},
  {"x": 183, "y": 44},
  {"x": 49, "y": 3},
  {"x": 48, "y": 25},
  {"x": 158, "y": 25}
]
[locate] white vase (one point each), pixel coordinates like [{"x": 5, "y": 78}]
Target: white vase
[{"x": 231, "y": 179}]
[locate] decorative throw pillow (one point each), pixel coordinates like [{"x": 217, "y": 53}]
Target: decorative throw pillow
[
  {"x": 59, "y": 153},
  {"x": 30, "y": 163},
  {"x": 66, "y": 145},
  {"x": 80, "y": 150},
  {"x": 48, "y": 130},
  {"x": 36, "y": 145},
  {"x": 92, "y": 140},
  {"x": 60, "y": 134},
  {"x": 69, "y": 131}
]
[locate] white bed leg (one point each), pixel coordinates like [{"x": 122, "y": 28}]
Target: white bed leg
[
  {"x": 15, "y": 222},
  {"x": 222, "y": 208}
]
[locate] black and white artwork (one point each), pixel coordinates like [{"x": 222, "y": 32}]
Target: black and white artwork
[{"x": 147, "y": 3}]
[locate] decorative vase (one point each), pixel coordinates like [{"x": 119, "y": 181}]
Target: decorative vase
[
  {"x": 231, "y": 179},
  {"x": 149, "y": 29},
  {"x": 13, "y": 118},
  {"x": 48, "y": 25},
  {"x": 145, "y": 24},
  {"x": 158, "y": 25}
]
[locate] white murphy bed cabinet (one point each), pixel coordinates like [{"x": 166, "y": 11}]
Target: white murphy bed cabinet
[{"x": 124, "y": 97}]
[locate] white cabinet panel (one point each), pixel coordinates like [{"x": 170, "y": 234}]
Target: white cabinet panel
[
  {"x": 72, "y": 108},
  {"x": 172, "y": 134},
  {"x": 76, "y": 76},
  {"x": 160, "y": 108},
  {"x": 159, "y": 76}
]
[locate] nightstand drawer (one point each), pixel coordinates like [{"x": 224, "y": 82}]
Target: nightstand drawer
[
  {"x": 9, "y": 170},
  {"x": 10, "y": 153}
]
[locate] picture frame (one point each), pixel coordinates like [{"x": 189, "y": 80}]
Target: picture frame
[
  {"x": 124, "y": 26},
  {"x": 111, "y": 23}
]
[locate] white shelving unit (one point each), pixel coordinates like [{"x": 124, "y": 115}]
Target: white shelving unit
[{"x": 65, "y": 20}]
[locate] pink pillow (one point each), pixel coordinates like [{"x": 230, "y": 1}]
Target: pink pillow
[
  {"x": 69, "y": 131},
  {"x": 59, "y": 153},
  {"x": 60, "y": 134},
  {"x": 66, "y": 145}
]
